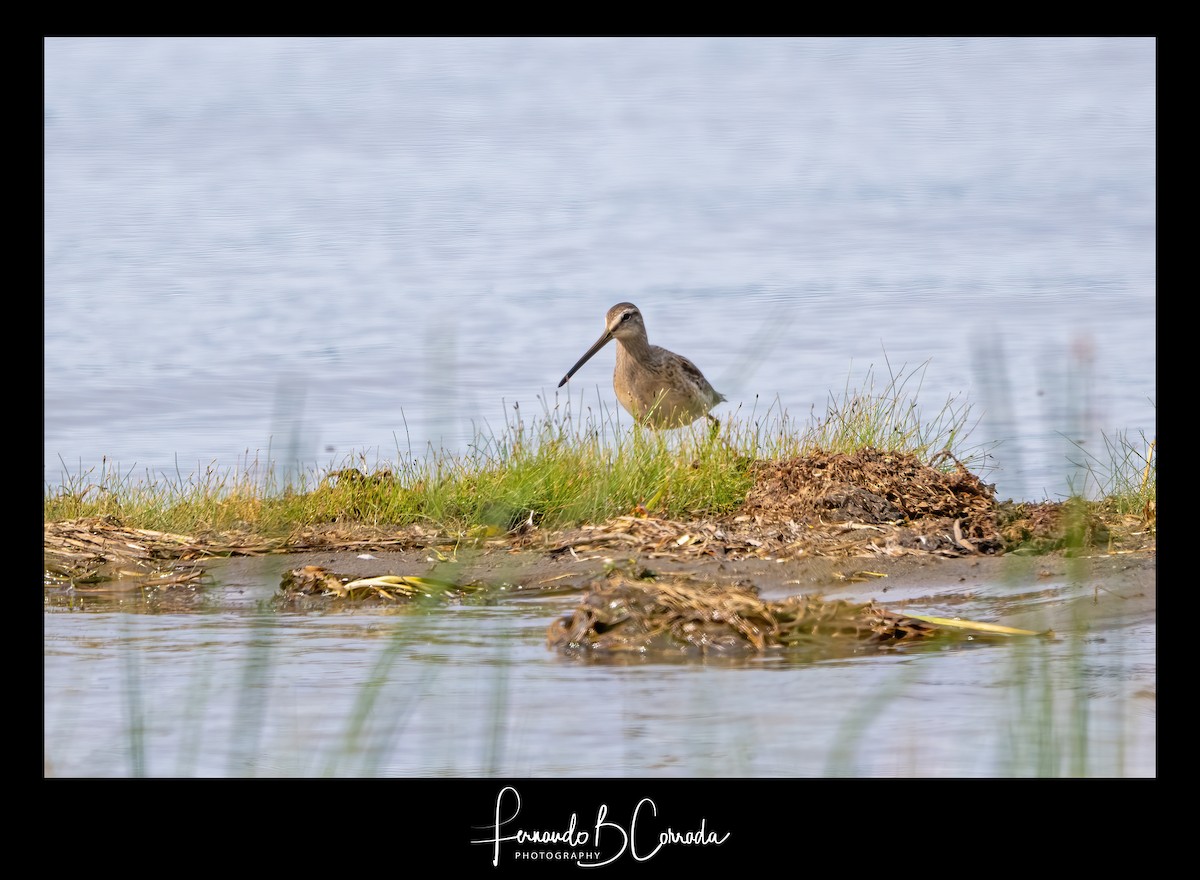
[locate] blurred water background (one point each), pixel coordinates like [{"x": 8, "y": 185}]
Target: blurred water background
[
  {"x": 309, "y": 252},
  {"x": 315, "y": 250}
]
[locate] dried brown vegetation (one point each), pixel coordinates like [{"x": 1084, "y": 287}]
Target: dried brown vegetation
[
  {"x": 626, "y": 616},
  {"x": 869, "y": 503}
]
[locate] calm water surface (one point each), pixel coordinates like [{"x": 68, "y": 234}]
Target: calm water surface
[
  {"x": 310, "y": 251},
  {"x": 475, "y": 691}
]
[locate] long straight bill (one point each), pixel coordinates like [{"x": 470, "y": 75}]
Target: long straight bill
[{"x": 587, "y": 355}]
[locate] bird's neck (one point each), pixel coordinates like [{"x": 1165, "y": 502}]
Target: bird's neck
[{"x": 636, "y": 348}]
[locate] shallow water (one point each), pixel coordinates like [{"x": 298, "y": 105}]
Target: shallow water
[{"x": 473, "y": 690}]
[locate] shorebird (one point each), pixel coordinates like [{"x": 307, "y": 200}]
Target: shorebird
[{"x": 657, "y": 387}]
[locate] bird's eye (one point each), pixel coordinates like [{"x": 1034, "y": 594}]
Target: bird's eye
[{"x": 626, "y": 316}]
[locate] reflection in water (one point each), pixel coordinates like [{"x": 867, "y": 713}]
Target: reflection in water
[{"x": 474, "y": 691}]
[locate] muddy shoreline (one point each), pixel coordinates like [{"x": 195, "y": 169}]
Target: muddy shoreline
[
  {"x": 182, "y": 572},
  {"x": 867, "y": 526},
  {"x": 1104, "y": 588}
]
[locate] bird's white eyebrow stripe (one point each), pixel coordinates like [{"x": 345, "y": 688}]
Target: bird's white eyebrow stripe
[{"x": 657, "y": 387}]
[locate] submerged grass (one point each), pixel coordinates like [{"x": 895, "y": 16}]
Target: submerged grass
[{"x": 1054, "y": 708}]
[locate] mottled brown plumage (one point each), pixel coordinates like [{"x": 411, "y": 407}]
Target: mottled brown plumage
[{"x": 657, "y": 387}]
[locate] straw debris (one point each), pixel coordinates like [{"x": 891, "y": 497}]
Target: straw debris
[
  {"x": 623, "y": 616},
  {"x": 861, "y": 504},
  {"x": 315, "y": 580}
]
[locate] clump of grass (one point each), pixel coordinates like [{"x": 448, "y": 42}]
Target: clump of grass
[
  {"x": 891, "y": 420},
  {"x": 560, "y": 470},
  {"x": 555, "y": 470},
  {"x": 213, "y": 499},
  {"x": 1126, "y": 479}
]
